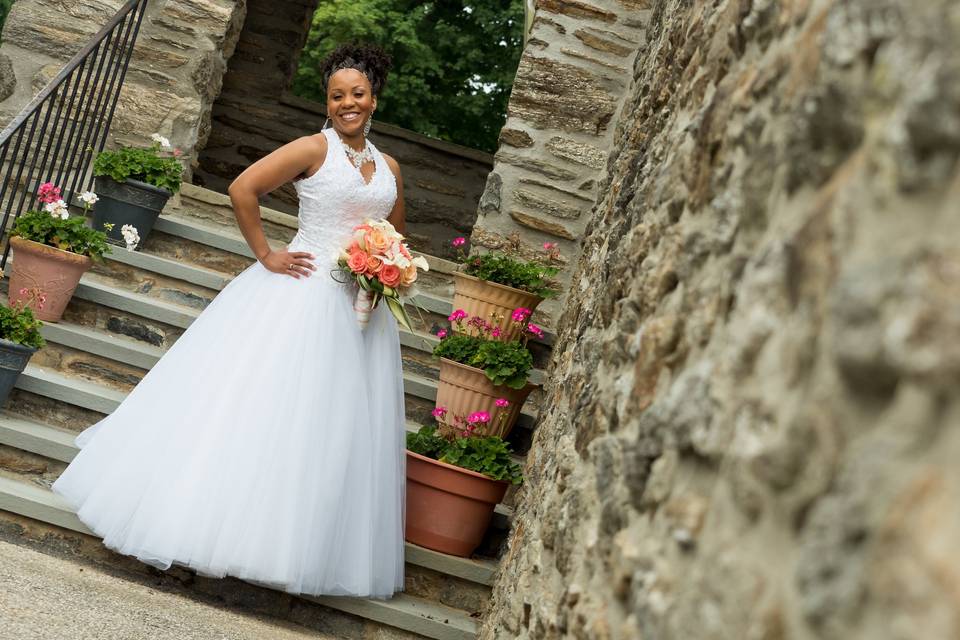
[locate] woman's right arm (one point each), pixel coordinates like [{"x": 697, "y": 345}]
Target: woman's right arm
[{"x": 298, "y": 158}]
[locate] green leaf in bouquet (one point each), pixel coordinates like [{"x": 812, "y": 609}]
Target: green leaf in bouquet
[{"x": 399, "y": 312}]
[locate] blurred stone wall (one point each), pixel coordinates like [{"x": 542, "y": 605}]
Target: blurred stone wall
[
  {"x": 175, "y": 72},
  {"x": 753, "y": 418},
  {"x": 572, "y": 78}
]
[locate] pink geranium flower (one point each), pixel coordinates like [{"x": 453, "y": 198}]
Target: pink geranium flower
[
  {"x": 535, "y": 330},
  {"x": 459, "y": 242},
  {"x": 479, "y": 417},
  {"x": 520, "y": 314},
  {"x": 442, "y": 334},
  {"x": 439, "y": 412},
  {"x": 48, "y": 192},
  {"x": 502, "y": 402},
  {"x": 496, "y": 332},
  {"x": 457, "y": 315}
]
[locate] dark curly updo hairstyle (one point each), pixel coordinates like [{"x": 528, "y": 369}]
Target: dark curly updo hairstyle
[{"x": 368, "y": 58}]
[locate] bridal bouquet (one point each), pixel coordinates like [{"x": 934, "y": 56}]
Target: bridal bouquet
[{"x": 383, "y": 267}]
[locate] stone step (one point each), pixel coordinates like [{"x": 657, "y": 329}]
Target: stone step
[
  {"x": 58, "y": 444},
  {"x": 409, "y": 613},
  {"x": 137, "y": 354},
  {"x": 103, "y": 400},
  {"x": 209, "y": 211},
  {"x": 98, "y": 289},
  {"x": 217, "y": 280}
]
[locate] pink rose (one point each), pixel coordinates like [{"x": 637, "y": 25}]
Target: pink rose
[
  {"x": 390, "y": 275},
  {"x": 357, "y": 261},
  {"x": 374, "y": 264}
]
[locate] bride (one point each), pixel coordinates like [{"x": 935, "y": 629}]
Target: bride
[{"x": 268, "y": 442}]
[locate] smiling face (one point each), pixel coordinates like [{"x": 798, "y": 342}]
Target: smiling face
[{"x": 350, "y": 101}]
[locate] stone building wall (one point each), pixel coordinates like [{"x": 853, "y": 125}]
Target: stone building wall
[
  {"x": 753, "y": 419},
  {"x": 572, "y": 76},
  {"x": 175, "y": 72}
]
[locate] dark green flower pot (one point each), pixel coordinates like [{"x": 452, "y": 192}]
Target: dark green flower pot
[
  {"x": 13, "y": 360},
  {"x": 129, "y": 202}
]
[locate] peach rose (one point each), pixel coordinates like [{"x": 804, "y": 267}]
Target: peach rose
[
  {"x": 357, "y": 261},
  {"x": 390, "y": 275},
  {"x": 378, "y": 240},
  {"x": 374, "y": 264},
  {"x": 409, "y": 275}
]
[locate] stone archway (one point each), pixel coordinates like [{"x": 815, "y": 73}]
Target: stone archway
[{"x": 255, "y": 113}]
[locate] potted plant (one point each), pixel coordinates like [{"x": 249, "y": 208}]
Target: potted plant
[
  {"x": 51, "y": 251},
  {"x": 19, "y": 339},
  {"x": 478, "y": 369},
  {"x": 133, "y": 185},
  {"x": 455, "y": 478},
  {"x": 489, "y": 285}
]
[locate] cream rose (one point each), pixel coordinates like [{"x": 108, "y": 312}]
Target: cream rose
[{"x": 409, "y": 276}]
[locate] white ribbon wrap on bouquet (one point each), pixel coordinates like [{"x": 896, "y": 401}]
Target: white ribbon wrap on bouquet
[{"x": 362, "y": 305}]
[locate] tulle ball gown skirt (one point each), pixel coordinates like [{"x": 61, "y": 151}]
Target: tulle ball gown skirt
[{"x": 266, "y": 444}]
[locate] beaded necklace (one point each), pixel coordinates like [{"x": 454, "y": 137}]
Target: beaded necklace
[{"x": 358, "y": 157}]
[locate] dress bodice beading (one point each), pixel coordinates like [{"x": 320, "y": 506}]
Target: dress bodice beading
[{"x": 335, "y": 199}]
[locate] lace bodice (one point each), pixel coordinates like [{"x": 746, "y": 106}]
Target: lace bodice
[{"x": 335, "y": 199}]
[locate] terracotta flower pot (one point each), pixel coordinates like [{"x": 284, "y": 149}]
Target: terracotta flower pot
[
  {"x": 448, "y": 507},
  {"x": 464, "y": 390},
  {"x": 53, "y": 271},
  {"x": 481, "y": 298}
]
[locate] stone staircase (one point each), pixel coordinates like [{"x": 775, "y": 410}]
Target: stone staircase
[{"x": 124, "y": 315}]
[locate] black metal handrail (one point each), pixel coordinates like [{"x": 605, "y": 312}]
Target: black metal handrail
[{"x": 38, "y": 146}]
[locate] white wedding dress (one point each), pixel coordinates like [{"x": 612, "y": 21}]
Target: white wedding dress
[{"x": 268, "y": 443}]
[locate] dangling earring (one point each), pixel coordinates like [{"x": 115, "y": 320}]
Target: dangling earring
[
  {"x": 326, "y": 123},
  {"x": 366, "y": 127}
]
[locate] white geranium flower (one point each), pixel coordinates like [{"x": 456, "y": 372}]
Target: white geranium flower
[
  {"x": 57, "y": 209},
  {"x": 164, "y": 142},
  {"x": 88, "y": 198},
  {"x": 130, "y": 235}
]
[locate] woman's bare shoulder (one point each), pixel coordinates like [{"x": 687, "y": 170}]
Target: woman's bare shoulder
[
  {"x": 312, "y": 147},
  {"x": 393, "y": 164}
]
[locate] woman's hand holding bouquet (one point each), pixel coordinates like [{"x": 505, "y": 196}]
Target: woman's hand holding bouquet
[{"x": 383, "y": 267}]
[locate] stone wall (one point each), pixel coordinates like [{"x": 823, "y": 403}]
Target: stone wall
[
  {"x": 255, "y": 115},
  {"x": 753, "y": 425},
  {"x": 175, "y": 72},
  {"x": 572, "y": 76}
]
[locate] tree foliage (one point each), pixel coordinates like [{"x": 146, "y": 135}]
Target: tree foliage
[
  {"x": 4, "y": 11},
  {"x": 453, "y": 62}
]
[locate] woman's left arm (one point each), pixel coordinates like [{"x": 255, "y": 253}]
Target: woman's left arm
[{"x": 397, "y": 217}]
